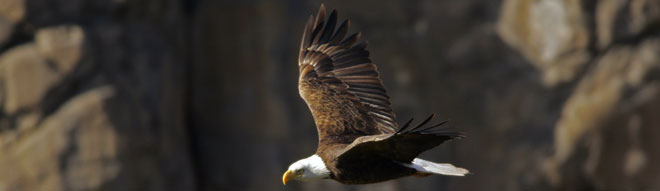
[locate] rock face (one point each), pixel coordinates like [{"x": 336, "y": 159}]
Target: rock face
[
  {"x": 76, "y": 148},
  {"x": 553, "y": 35},
  {"x": 202, "y": 95},
  {"x": 92, "y": 105},
  {"x": 612, "y": 113},
  {"x": 11, "y": 12},
  {"x": 604, "y": 136},
  {"x": 20, "y": 65}
]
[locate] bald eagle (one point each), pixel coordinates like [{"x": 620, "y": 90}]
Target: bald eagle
[{"x": 359, "y": 140}]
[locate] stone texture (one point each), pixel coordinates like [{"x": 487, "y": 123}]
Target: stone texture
[
  {"x": 644, "y": 15},
  {"x": 553, "y": 34},
  {"x": 76, "y": 148},
  {"x": 92, "y": 99},
  {"x": 18, "y": 68},
  {"x": 62, "y": 45},
  {"x": 618, "y": 85},
  {"x": 53, "y": 56},
  {"x": 6, "y": 28},
  {"x": 84, "y": 145},
  {"x": 620, "y": 20},
  {"x": 592, "y": 101},
  {"x": 12, "y": 10},
  {"x": 610, "y": 107},
  {"x": 597, "y": 138}
]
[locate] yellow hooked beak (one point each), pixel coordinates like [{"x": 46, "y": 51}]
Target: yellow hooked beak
[{"x": 288, "y": 175}]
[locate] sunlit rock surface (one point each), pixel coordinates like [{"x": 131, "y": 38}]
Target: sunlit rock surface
[{"x": 552, "y": 34}]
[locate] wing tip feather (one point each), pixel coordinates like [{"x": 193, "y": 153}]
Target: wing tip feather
[{"x": 430, "y": 130}]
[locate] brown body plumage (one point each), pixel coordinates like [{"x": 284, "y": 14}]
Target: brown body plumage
[{"x": 359, "y": 139}]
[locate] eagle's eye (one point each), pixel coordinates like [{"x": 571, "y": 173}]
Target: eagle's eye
[{"x": 300, "y": 171}]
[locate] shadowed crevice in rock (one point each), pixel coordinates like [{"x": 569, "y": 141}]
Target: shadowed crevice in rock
[
  {"x": 85, "y": 76},
  {"x": 651, "y": 31},
  {"x": 20, "y": 33},
  {"x": 67, "y": 154}
]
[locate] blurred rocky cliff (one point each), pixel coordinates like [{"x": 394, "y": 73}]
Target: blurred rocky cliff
[
  {"x": 202, "y": 95},
  {"x": 607, "y": 54},
  {"x": 93, "y": 96}
]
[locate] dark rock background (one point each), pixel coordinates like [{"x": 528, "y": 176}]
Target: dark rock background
[{"x": 202, "y": 95}]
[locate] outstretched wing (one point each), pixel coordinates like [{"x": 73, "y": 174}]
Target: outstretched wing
[
  {"x": 404, "y": 145},
  {"x": 340, "y": 84}
]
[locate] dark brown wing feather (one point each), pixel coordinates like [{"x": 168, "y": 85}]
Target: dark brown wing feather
[
  {"x": 404, "y": 145},
  {"x": 340, "y": 84}
]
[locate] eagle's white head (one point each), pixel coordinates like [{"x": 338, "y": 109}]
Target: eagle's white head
[{"x": 310, "y": 168}]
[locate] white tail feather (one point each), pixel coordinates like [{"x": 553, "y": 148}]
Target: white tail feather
[{"x": 437, "y": 168}]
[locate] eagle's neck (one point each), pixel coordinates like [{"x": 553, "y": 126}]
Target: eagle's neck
[{"x": 316, "y": 166}]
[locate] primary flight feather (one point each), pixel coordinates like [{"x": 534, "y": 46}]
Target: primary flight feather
[{"x": 360, "y": 141}]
